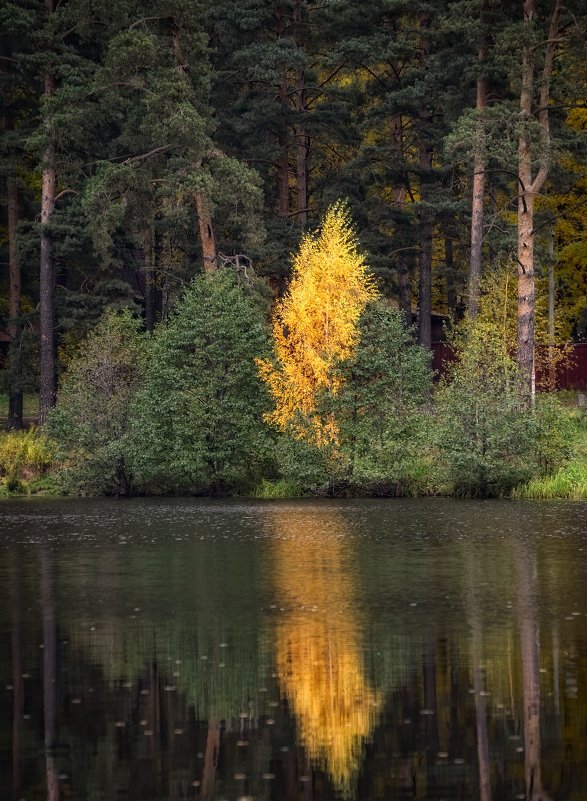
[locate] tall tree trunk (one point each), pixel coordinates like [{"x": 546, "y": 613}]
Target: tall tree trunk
[
  {"x": 404, "y": 283},
  {"x": 14, "y": 310},
  {"x": 46, "y": 274},
  {"x": 302, "y": 139},
  {"x": 207, "y": 238},
  {"x": 528, "y": 189},
  {"x": 476, "y": 263},
  {"x": 282, "y": 139},
  {"x": 426, "y": 219},
  {"x": 551, "y": 302},
  {"x": 450, "y": 272},
  {"x": 149, "y": 274},
  {"x": 205, "y": 227}
]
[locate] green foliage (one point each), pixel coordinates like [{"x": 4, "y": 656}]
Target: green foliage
[
  {"x": 92, "y": 418},
  {"x": 379, "y": 410},
  {"x": 24, "y": 457},
  {"x": 272, "y": 489},
  {"x": 197, "y": 420},
  {"x": 488, "y": 443},
  {"x": 386, "y": 387}
]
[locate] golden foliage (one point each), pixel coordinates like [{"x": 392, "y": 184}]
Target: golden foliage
[
  {"x": 319, "y": 655},
  {"x": 315, "y": 326}
]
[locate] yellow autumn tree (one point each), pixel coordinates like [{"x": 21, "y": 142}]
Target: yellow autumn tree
[{"x": 316, "y": 326}]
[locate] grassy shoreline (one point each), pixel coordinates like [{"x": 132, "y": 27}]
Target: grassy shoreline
[{"x": 29, "y": 466}]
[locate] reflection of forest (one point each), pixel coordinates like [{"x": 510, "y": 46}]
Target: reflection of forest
[
  {"x": 294, "y": 670},
  {"x": 319, "y": 655}
]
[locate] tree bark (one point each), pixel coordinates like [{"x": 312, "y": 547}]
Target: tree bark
[
  {"x": 476, "y": 260},
  {"x": 205, "y": 227},
  {"x": 46, "y": 274},
  {"x": 405, "y": 289},
  {"x": 551, "y": 312},
  {"x": 283, "y": 139},
  {"x": 302, "y": 139},
  {"x": 426, "y": 220},
  {"x": 449, "y": 272},
  {"x": 207, "y": 238},
  {"x": 14, "y": 310},
  {"x": 149, "y": 274},
  {"x": 527, "y": 191}
]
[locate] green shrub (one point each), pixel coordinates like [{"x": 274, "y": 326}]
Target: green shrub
[
  {"x": 488, "y": 443},
  {"x": 271, "y": 489},
  {"x": 198, "y": 418},
  {"x": 91, "y": 420}
]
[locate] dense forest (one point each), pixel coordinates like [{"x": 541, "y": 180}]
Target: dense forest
[{"x": 173, "y": 173}]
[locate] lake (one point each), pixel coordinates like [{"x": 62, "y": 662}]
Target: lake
[{"x": 177, "y": 649}]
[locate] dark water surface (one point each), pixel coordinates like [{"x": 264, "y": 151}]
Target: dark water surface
[{"x": 375, "y": 650}]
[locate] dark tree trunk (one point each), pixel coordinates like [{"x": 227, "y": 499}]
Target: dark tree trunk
[
  {"x": 46, "y": 274},
  {"x": 404, "y": 282},
  {"x": 476, "y": 260},
  {"x": 302, "y": 139},
  {"x": 425, "y": 282},
  {"x": 426, "y": 217},
  {"x": 450, "y": 273},
  {"x": 14, "y": 310},
  {"x": 283, "y": 138},
  {"x": 551, "y": 312},
  {"x": 149, "y": 274}
]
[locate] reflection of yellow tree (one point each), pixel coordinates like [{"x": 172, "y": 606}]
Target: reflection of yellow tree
[{"x": 318, "y": 653}]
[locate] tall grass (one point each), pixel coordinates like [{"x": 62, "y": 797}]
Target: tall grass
[
  {"x": 25, "y": 456},
  {"x": 568, "y": 482}
]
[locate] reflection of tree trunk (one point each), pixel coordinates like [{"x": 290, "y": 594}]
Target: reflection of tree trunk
[
  {"x": 49, "y": 672},
  {"x": 15, "y": 394},
  {"x": 430, "y": 703},
  {"x": 17, "y": 680},
  {"x": 530, "y": 649},
  {"x": 211, "y": 759},
  {"x": 479, "y": 687}
]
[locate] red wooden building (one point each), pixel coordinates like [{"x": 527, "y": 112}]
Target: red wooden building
[{"x": 570, "y": 374}]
